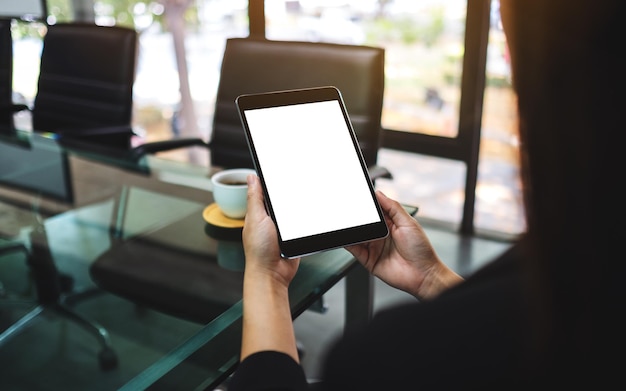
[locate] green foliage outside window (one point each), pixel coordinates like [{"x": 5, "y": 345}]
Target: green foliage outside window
[
  {"x": 138, "y": 14},
  {"x": 407, "y": 29}
]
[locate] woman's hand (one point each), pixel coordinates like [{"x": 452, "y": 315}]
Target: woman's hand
[
  {"x": 260, "y": 239},
  {"x": 267, "y": 321},
  {"x": 405, "y": 259}
]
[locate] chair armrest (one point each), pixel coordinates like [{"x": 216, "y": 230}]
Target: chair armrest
[
  {"x": 13, "y": 108},
  {"x": 167, "y": 145},
  {"x": 17, "y": 107},
  {"x": 377, "y": 171},
  {"x": 109, "y": 136},
  {"x": 95, "y": 132}
]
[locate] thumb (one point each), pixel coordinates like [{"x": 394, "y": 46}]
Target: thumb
[{"x": 255, "y": 195}]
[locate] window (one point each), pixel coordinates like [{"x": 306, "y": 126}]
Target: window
[
  {"x": 447, "y": 88},
  {"x": 425, "y": 47}
]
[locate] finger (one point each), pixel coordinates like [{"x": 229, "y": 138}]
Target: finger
[
  {"x": 385, "y": 202},
  {"x": 359, "y": 251},
  {"x": 255, "y": 195},
  {"x": 393, "y": 210}
]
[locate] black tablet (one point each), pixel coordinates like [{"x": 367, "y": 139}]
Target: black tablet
[{"x": 317, "y": 187}]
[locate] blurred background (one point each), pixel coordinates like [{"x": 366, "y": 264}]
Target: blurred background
[{"x": 182, "y": 41}]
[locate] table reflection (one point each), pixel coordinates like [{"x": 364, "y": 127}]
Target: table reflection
[{"x": 133, "y": 232}]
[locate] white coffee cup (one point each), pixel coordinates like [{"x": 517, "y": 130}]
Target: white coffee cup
[{"x": 230, "y": 191}]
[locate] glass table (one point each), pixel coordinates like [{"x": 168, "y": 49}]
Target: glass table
[{"x": 88, "y": 203}]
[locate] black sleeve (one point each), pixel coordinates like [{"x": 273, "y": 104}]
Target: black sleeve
[{"x": 268, "y": 370}]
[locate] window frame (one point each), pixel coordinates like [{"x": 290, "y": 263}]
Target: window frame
[{"x": 465, "y": 146}]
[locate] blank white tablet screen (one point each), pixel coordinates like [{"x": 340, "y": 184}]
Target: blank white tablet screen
[{"x": 311, "y": 169}]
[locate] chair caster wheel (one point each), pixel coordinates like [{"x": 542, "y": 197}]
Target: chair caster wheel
[{"x": 107, "y": 359}]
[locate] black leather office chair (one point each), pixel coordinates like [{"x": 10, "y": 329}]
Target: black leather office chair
[
  {"x": 7, "y": 107},
  {"x": 184, "y": 286},
  {"x": 85, "y": 85},
  {"x": 84, "y": 94},
  {"x": 6, "y": 76},
  {"x": 258, "y": 65},
  {"x": 85, "y": 90},
  {"x": 251, "y": 66}
]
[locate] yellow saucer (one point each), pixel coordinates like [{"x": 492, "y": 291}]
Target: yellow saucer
[{"x": 213, "y": 215}]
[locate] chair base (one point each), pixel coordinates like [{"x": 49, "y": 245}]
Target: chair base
[{"x": 107, "y": 358}]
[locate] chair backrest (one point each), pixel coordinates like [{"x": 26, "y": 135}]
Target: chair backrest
[
  {"x": 86, "y": 77},
  {"x": 252, "y": 66},
  {"x": 6, "y": 76}
]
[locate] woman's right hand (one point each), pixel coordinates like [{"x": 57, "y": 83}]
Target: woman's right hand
[{"x": 405, "y": 259}]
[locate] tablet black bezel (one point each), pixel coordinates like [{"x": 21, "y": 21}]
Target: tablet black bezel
[{"x": 328, "y": 240}]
